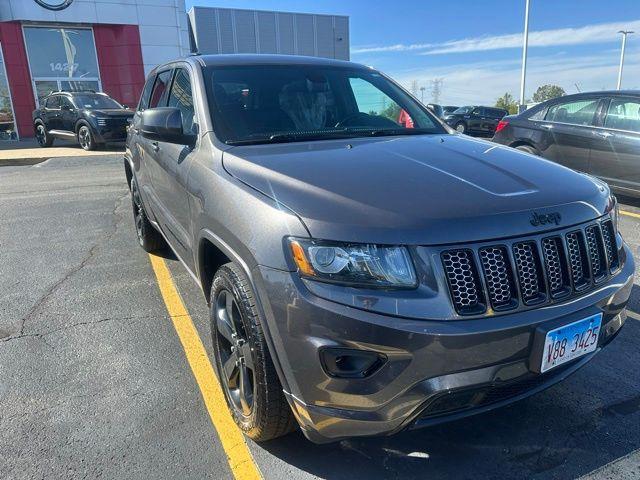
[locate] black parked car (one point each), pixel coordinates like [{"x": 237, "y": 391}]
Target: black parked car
[
  {"x": 597, "y": 133},
  {"x": 437, "y": 110},
  {"x": 475, "y": 119},
  {"x": 91, "y": 119}
]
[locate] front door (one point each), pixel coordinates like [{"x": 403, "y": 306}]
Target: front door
[
  {"x": 568, "y": 137},
  {"x": 51, "y": 113},
  {"x": 615, "y": 152},
  {"x": 174, "y": 161},
  {"x": 68, "y": 114}
]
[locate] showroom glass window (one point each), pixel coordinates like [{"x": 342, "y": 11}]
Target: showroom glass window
[
  {"x": 62, "y": 59},
  {"x": 7, "y": 119}
]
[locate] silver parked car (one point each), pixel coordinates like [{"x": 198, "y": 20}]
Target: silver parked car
[{"x": 368, "y": 269}]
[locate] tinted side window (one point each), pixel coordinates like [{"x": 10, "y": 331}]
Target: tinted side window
[
  {"x": 623, "y": 114},
  {"x": 64, "y": 101},
  {"x": 181, "y": 97},
  {"x": 53, "y": 102},
  {"x": 579, "y": 112},
  {"x": 146, "y": 93},
  {"x": 160, "y": 87}
]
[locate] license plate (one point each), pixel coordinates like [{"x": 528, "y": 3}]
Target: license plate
[{"x": 570, "y": 341}]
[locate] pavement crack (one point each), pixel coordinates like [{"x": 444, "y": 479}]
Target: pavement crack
[{"x": 90, "y": 254}]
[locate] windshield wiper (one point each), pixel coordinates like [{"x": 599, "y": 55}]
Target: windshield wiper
[
  {"x": 398, "y": 131},
  {"x": 295, "y": 137}
]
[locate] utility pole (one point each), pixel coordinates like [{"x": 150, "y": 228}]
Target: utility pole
[
  {"x": 436, "y": 90},
  {"x": 624, "y": 45},
  {"x": 422, "y": 89},
  {"x": 525, "y": 43}
]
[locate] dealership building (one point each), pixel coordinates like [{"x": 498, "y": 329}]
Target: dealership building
[{"x": 109, "y": 45}]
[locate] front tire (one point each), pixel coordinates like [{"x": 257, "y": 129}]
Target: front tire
[
  {"x": 42, "y": 136},
  {"x": 527, "y": 149},
  {"x": 148, "y": 237},
  {"x": 85, "y": 138},
  {"x": 461, "y": 127},
  {"x": 246, "y": 372}
]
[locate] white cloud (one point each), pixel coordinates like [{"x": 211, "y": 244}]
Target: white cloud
[
  {"x": 588, "y": 34},
  {"x": 484, "y": 82}
]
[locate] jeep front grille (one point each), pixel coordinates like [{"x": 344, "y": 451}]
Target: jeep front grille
[
  {"x": 530, "y": 272},
  {"x": 464, "y": 281}
]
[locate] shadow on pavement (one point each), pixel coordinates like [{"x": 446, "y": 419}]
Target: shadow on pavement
[{"x": 573, "y": 428}]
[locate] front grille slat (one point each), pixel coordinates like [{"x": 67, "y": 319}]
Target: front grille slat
[
  {"x": 597, "y": 255},
  {"x": 498, "y": 277},
  {"x": 610, "y": 245},
  {"x": 464, "y": 282},
  {"x": 530, "y": 275},
  {"x": 578, "y": 261},
  {"x": 493, "y": 278},
  {"x": 556, "y": 267}
]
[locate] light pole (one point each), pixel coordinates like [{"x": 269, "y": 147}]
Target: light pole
[
  {"x": 422, "y": 94},
  {"x": 624, "y": 45},
  {"x": 525, "y": 43}
]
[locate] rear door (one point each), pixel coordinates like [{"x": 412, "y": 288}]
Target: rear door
[
  {"x": 51, "y": 113},
  {"x": 173, "y": 163},
  {"x": 615, "y": 152},
  {"x": 568, "y": 136}
]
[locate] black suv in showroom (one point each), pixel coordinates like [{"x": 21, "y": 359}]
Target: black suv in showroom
[
  {"x": 475, "y": 120},
  {"x": 92, "y": 119},
  {"x": 597, "y": 133}
]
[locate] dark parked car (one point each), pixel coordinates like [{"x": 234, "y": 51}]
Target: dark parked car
[
  {"x": 437, "y": 110},
  {"x": 475, "y": 120},
  {"x": 449, "y": 109},
  {"x": 91, "y": 119},
  {"x": 364, "y": 277},
  {"x": 597, "y": 133}
]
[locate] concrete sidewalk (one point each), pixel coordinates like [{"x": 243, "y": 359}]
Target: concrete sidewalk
[{"x": 28, "y": 152}]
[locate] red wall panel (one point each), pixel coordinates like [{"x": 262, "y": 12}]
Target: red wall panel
[
  {"x": 15, "y": 57},
  {"x": 120, "y": 60}
]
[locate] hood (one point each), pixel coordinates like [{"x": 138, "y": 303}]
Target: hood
[
  {"x": 422, "y": 190},
  {"x": 112, "y": 112}
]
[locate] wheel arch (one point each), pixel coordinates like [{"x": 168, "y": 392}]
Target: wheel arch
[{"x": 524, "y": 143}]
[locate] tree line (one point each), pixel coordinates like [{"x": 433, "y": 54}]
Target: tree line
[{"x": 542, "y": 94}]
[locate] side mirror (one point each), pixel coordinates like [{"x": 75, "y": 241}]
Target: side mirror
[{"x": 164, "y": 124}]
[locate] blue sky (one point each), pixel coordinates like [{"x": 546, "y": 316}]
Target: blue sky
[{"x": 475, "y": 47}]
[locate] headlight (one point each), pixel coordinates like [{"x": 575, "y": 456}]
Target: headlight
[{"x": 355, "y": 264}]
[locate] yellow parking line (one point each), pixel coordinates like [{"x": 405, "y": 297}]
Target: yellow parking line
[
  {"x": 630, "y": 214},
  {"x": 242, "y": 465}
]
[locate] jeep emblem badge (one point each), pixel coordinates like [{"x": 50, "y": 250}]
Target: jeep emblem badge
[
  {"x": 54, "y": 5},
  {"x": 538, "y": 219}
]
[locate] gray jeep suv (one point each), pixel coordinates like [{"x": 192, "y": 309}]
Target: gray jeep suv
[{"x": 367, "y": 268}]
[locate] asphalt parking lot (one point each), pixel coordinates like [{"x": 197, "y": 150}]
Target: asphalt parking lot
[{"x": 95, "y": 380}]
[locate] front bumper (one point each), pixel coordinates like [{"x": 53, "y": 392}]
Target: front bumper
[{"x": 435, "y": 370}]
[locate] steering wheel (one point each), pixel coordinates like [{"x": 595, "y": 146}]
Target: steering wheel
[{"x": 352, "y": 116}]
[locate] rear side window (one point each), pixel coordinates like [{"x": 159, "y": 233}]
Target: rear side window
[
  {"x": 181, "y": 97},
  {"x": 623, "y": 114},
  {"x": 160, "y": 87},
  {"x": 579, "y": 112},
  {"x": 146, "y": 93},
  {"x": 53, "y": 102}
]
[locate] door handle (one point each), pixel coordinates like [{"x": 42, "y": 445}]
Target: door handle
[
  {"x": 154, "y": 146},
  {"x": 603, "y": 134},
  {"x": 546, "y": 126}
]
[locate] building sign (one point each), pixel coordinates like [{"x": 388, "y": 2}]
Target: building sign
[{"x": 54, "y": 4}]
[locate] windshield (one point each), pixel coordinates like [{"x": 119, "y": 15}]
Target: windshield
[
  {"x": 95, "y": 102},
  {"x": 282, "y": 103},
  {"x": 463, "y": 110}
]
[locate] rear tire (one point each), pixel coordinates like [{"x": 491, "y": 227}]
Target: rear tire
[
  {"x": 244, "y": 366},
  {"x": 461, "y": 127},
  {"x": 527, "y": 149},
  {"x": 148, "y": 237},
  {"x": 42, "y": 136}
]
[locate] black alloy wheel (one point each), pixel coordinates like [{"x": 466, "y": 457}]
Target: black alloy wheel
[{"x": 236, "y": 358}]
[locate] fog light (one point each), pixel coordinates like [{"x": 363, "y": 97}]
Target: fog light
[{"x": 350, "y": 363}]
